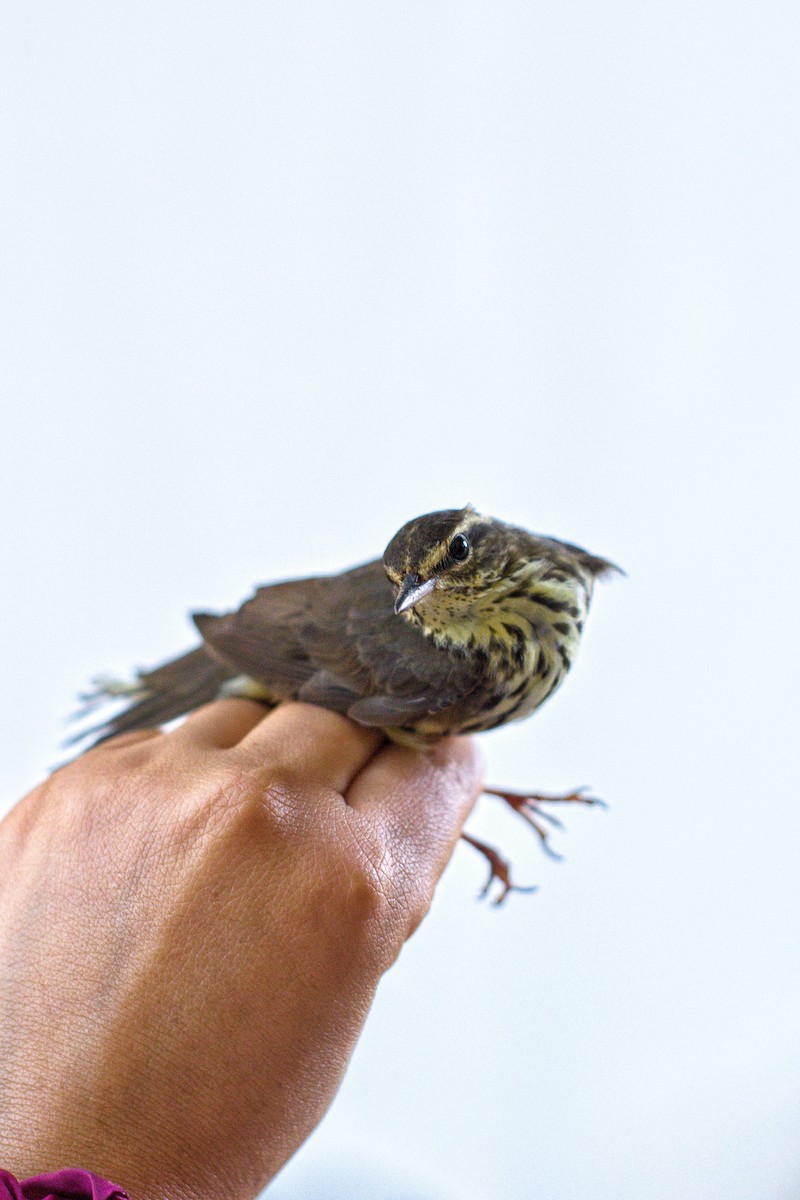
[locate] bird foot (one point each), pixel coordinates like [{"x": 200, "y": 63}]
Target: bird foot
[
  {"x": 528, "y": 805},
  {"x": 499, "y": 868}
]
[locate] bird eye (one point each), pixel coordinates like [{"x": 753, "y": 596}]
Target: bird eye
[{"x": 459, "y": 548}]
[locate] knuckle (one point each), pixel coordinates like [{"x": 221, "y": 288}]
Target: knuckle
[
  {"x": 272, "y": 803},
  {"x": 274, "y": 783},
  {"x": 368, "y": 893},
  {"x": 377, "y": 891},
  {"x": 356, "y": 876},
  {"x": 241, "y": 797}
]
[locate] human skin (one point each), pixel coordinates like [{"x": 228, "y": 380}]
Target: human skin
[{"x": 192, "y": 928}]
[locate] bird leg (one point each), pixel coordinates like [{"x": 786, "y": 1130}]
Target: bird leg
[
  {"x": 528, "y": 805},
  {"x": 499, "y": 868}
]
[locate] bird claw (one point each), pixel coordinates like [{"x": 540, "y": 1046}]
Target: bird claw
[
  {"x": 528, "y": 805},
  {"x": 576, "y": 796},
  {"x": 499, "y": 868}
]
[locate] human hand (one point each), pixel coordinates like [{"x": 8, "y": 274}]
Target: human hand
[{"x": 192, "y": 927}]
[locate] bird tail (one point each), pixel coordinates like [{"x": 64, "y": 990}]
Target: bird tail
[{"x": 154, "y": 697}]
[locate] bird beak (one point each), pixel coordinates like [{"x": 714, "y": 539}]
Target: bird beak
[{"x": 412, "y": 590}]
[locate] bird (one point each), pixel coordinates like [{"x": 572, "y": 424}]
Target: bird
[{"x": 465, "y": 624}]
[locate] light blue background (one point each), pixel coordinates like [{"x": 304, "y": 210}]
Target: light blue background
[{"x": 277, "y": 277}]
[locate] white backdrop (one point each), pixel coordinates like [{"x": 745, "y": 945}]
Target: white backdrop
[{"x": 277, "y": 277}]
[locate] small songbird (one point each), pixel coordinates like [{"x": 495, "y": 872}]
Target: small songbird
[{"x": 465, "y": 624}]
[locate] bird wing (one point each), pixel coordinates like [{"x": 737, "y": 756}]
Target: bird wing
[
  {"x": 265, "y": 637},
  {"x": 335, "y": 641}
]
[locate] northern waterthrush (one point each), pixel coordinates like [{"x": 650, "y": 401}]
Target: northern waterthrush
[{"x": 466, "y": 623}]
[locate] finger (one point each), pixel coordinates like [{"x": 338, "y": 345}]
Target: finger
[
  {"x": 326, "y": 748},
  {"x": 421, "y": 800},
  {"x": 221, "y": 724},
  {"x": 128, "y": 739}
]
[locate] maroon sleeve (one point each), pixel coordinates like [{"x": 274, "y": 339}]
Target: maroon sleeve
[{"x": 69, "y": 1184}]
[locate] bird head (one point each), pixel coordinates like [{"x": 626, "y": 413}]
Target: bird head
[
  {"x": 449, "y": 566},
  {"x": 447, "y": 559}
]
